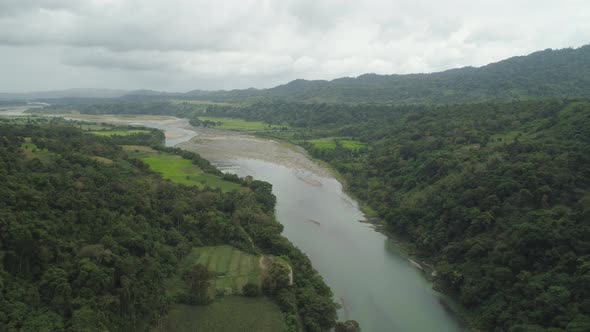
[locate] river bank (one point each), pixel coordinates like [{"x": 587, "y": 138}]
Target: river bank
[
  {"x": 403, "y": 247},
  {"x": 218, "y": 145}
]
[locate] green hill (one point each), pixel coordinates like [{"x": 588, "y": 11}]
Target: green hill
[
  {"x": 495, "y": 195},
  {"x": 89, "y": 235},
  {"x": 561, "y": 73}
]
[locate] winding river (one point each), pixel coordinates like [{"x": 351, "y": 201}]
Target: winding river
[{"x": 374, "y": 283}]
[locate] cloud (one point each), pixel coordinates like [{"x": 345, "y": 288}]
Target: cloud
[
  {"x": 17, "y": 7},
  {"x": 100, "y": 58},
  {"x": 188, "y": 44}
]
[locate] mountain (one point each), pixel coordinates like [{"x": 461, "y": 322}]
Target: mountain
[
  {"x": 561, "y": 73},
  {"x": 92, "y": 238}
]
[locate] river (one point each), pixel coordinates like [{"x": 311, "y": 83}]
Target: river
[{"x": 374, "y": 283}]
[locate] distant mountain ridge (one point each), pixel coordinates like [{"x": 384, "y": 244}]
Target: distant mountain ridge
[
  {"x": 549, "y": 73},
  {"x": 67, "y": 93},
  {"x": 563, "y": 73}
]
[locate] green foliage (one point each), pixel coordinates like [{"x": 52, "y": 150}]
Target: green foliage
[
  {"x": 336, "y": 142},
  {"x": 86, "y": 319},
  {"x": 348, "y": 326},
  {"x": 55, "y": 290},
  {"x": 46, "y": 321},
  {"x": 495, "y": 194},
  {"x": 251, "y": 289},
  {"x": 119, "y": 132},
  {"x": 231, "y": 268},
  {"x": 198, "y": 280},
  {"x": 182, "y": 171},
  {"x": 227, "y": 314},
  {"x": 277, "y": 278},
  {"x": 550, "y": 73},
  {"x": 86, "y": 246},
  {"x": 234, "y": 124}
]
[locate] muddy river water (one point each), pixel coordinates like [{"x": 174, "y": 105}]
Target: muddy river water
[{"x": 374, "y": 283}]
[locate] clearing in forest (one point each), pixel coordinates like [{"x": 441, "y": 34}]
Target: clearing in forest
[
  {"x": 227, "y": 314},
  {"x": 233, "y": 268},
  {"x": 30, "y": 150},
  {"x": 179, "y": 170},
  {"x": 328, "y": 143}
]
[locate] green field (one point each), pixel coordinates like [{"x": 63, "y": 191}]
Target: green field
[
  {"x": 330, "y": 143},
  {"x": 227, "y": 314},
  {"x": 202, "y": 102},
  {"x": 103, "y": 160},
  {"x": 30, "y": 150},
  {"x": 234, "y": 268},
  {"x": 120, "y": 132},
  {"x": 180, "y": 170},
  {"x": 239, "y": 124}
]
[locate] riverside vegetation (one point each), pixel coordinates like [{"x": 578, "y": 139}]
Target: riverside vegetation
[
  {"x": 495, "y": 195},
  {"x": 90, "y": 236}
]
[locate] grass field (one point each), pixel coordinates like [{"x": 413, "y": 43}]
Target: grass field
[
  {"x": 239, "y": 124},
  {"x": 138, "y": 148},
  {"x": 203, "y": 102},
  {"x": 227, "y": 314},
  {"x": 179, "y": 170},
  {"x": 103, "y": 160},
  {"x": 120, "y": 132},
  {"x": 234, "y": 268},
  {"x": 30, "y": 150},
  {"x": 330, "y": 143}
]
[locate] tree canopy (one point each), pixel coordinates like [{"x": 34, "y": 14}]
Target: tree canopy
[{"x": 86, "y": 244}]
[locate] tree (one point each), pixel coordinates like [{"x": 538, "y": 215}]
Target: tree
[
  {"x": 278, "y": 276},
  {"x": 86, "y": 319},
  {"x": 348, "y": 326},
  {"x": 198, "y": 281},
  {"x": 55, "y": 290},
  {"x": 251, "y": 290}
]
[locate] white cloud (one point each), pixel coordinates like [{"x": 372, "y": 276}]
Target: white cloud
[{"x": 188, "y": 44}]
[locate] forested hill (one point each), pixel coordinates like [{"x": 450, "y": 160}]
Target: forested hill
[
  {"x": 495, "y": 195},
  {"x": 89, "y": 236},
  {"x": 563, "y": 73},
  {"x": 549, "y": 73}
]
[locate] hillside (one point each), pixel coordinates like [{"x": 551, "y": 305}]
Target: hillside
[
  {"x": 495, "y": 195},
  {"x": 89, "y": 233},
  {"x": 561, "y": 73}
]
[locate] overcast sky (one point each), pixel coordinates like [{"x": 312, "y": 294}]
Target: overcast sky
[{"x": 180, "y": 45}]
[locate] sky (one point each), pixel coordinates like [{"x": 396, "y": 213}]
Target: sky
[{"x": 182, "y": 45}]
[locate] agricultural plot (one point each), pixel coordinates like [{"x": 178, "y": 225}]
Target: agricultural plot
[
  {"x": 227, "y": 314},
  {"x": 178, "y": 169},
  {"x": 233, "y": 268},
  {"x": 327, "y": 143}
]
